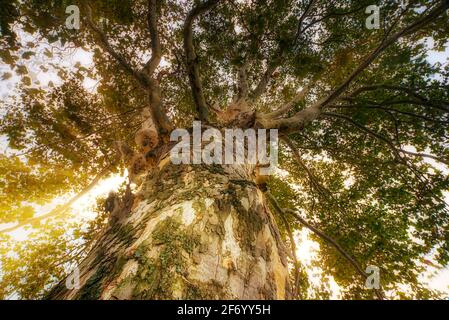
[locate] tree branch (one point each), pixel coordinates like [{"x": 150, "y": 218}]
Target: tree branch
[
  {"x": 381, "y": 106},
  {"x": 104, "y": 43},
  {"x": 287, "y": 107},
  {"x": 303, "y": 117},
  {"x": 263, "y": 83},
  {"x": 312, "y": 177},
  {"x": 412, "y": 28},
  {"x": 156, "y": 52},
  {"x": 243, "y": 82},
  {"x": 443, "y": 106},
  {"x": 293, "y": 249},
  {"x": 333, "y": 14},
  {"x": 192, "y": 59},
  {"x": 326, "y": 238},
  {"x": 145, "y": 77},
  {"x": 384, "y": 139},
  {"x": 302, "y": 18},
  {"x": 65, "y": 207}
]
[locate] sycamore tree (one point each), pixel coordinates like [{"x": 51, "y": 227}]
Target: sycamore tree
[{"x": 362, "y": 119}]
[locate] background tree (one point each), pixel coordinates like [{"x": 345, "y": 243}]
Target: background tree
[{"x": 361, "y": 113}]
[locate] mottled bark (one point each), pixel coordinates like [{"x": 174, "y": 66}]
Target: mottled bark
[{"x": 193, "y": 232}]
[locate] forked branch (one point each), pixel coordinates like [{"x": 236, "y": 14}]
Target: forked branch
[
  {"x": 192, "y": 59},
  {"x": 304, "y": 117},
  {"x": 277, "y": 60},
  {"x": 104, "y": 43}
]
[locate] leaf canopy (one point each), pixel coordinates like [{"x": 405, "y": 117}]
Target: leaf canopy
[{"x": 374, "y": 174}]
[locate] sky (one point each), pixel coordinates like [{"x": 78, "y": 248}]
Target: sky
[{"x": 307, "y": 249}]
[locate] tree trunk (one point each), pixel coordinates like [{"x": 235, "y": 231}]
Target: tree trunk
[{"x": 193, "y": 232}]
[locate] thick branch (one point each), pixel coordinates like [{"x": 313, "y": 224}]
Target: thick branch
[
  {"x": 156, "y": 52},
  {"x": 291, "y": 124},
  {"x": 145, "y": 79},
  {"x": 298, "y": 121},
  {"x": 242, "y": 83},
  {"x": 192, "y": 59},
  {"x": 286, "y": 108},
  {"x": 161, "y": 120},
  {"x": 159, "y": 117},
  {"x": 432, "y": 15}
]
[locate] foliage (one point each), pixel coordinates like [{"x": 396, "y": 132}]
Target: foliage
[{"x": 385, "y": 208}]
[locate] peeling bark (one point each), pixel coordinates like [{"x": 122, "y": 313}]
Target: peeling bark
[{"x": 193, "y": 232}]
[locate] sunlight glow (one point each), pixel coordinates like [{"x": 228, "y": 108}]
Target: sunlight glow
[{"x": 82, "y": 208}]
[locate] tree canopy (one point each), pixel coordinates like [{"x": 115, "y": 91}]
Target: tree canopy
[{"x": 363, "y": 118}]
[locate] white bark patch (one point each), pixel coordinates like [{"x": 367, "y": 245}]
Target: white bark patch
[
  {"x": 140, "y": 210},
  {"x": 230, "y": 243},
  {"x": 208, "y": 202},
  {"x": 245, "y": 203},
  {"x": 130, "y": 269},
  {"x": 188, "y": 213}
]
